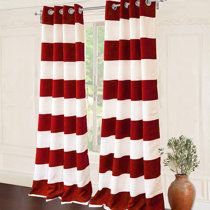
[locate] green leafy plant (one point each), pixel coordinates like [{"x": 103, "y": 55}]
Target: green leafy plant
[{"x": 182, "y": 157}]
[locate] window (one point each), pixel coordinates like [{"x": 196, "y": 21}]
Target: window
[{"x": 94, "y": 81}]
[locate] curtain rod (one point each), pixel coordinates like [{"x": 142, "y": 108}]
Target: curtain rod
[{"x": 114, "y": 6}]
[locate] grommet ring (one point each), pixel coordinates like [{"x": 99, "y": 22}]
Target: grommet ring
[
  {"x": 126, "y": 5},
  {"x": 71, "y": 11},
  {"x": 80, "y": 11},
  {"x": 114, "y": 6},
  {"x": 137, "y": 3},
  {"x": 50, "y": 12},
  {"x": 148, "y": 2},
  {"x": 61, "y": 11}
]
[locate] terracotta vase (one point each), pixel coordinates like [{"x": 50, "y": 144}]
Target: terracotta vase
[{"x": 181, "y": 193}]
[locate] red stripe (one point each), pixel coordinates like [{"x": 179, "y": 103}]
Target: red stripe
[
  {"x": 73, "y": 52},
  {"x": 148, "y": 130},
  {"x": 144, "y": 48},
  {"x": 61, "y": 88},
  {"x": 59, "y": 157},
  {"x": 67, "y": 52},
  {"x": 47, "y": 52},
  {"x": 123, "y": 165},
  {"x": 56, "y": 158},
  {"x": 151, "y": 130},
  {"x": 67, "y": 18},
  {"x": 122, "y": 128},
  {"x": 134, "y": 11},
  {"x": 57, "y": 51},
  {"x": 78, "y": 160},
  {"x": 45, "y": 87},
  {"x": 57, "y": 88},
  {"x": 46, "y": 18},
  {"x": 42, "y": 156},
  {"x": 111, "y": 14},
  {"x": 152, "y": 168},
  {"x": 68, "y": 193},
  {"x": 44, "y": 122},
  {"x": 57, "y": 16},
  {"x": 59, "y": 123},
  {"x": 78, "y": 16},
  {"x": 147, "y": 11},
  {"x": 123, "y": 200},
  {"x": 145, "y": 90}
]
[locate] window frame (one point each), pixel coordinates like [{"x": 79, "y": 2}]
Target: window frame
[{"x": 95, "y": 126}]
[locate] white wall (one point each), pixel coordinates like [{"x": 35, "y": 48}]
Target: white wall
[{"x": 183, "y": 29}]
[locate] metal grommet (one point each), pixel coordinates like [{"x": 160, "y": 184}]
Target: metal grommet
[
  {"x": 148, "y": 2},
  {"x": 50, "y": 12},
  {"x": 71, "y": 11},
  {"x": 80, "y": 11},
  {"x": 61, "y": 11},
  {"x": 137, "y": 3},
  {"x": 126, "y": 5},
  {"x": 114, "y": 6}
]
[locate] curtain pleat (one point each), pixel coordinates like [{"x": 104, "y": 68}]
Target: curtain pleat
[
  {"x": 62, "y": 165},
  {"x": 129, "y": 174}
]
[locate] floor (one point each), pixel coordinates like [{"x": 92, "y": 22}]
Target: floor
[{"x": 14, "y": 197}]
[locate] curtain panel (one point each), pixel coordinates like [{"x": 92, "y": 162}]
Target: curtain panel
[
  {"x": 129, "y": 174},
  {"x": 62, "y": 166}
]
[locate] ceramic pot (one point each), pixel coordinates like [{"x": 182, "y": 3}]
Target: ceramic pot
[{"x": 181, "y": 193}]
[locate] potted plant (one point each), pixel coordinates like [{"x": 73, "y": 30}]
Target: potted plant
[{"x": 182, "y": 159}]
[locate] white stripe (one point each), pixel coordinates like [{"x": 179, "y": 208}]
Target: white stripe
[
  {"x": 150, "y": 110},
  {"x": 121, "y": 147},
  {"x": 61, "y": 106},
  {"x": 57, "y": 70},
  {"x": 81, "y": 107},
  {"x": 70, "y": 142},
  {"x": 134, "y": 70},
  {"x": 127, "y": 109},
  {"x": 151, "y": 149},
  {"x": 116, "y": 30},
  {"x": 122, "y": 183},
  {"x": 74, "y": 70},
  {"x": 81, "y": 143},
  {"x": 73, "y": 142},
  {"x": 45, "y": 105},
  {"x": 38, "y": 196},
  {"x": 69, "y": 70},
  {"x": 80, "y": 70},
  {"x": 147, "y": 27},
  {"x": 75, "y": 107},
  {"x": 56, "y": 141},
  {"x": 73, "y": 176},
  {"x": 43, "y": 139},
  {"x": 70, "y": 202},
  {"x": 55, "y": 174},
  {"x": 136, "y": 149},
  {"x": 153, "y": 187},
  {"x": 46, "y": 70},
  {"x": 58, "y": 33},
  {"x": 79, "y": 32},
  {"x": 68, "y": 33},
  {"x": 136, "y": 186},
  {"x": 47, "y": 33},
  {"x": 40, "y": 172},
  {"x": 57, "y": 106}
]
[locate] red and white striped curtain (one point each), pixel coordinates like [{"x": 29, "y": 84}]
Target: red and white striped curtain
[
  {"x": 62, "y": 166},
  {"x": 129, "y": 174}
]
